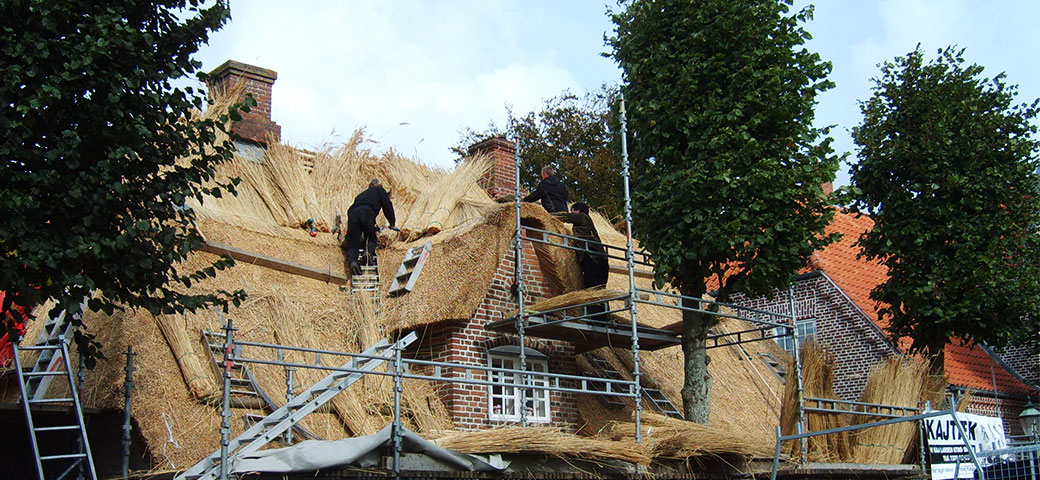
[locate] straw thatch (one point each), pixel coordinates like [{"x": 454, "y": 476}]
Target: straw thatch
[
  {"x": 670, "y": 438},
  {"x": 195, "y": 369},
  {"x": 818, "y": 382},
  {"x": 899, "y": 381},
  {"x": 544, "y": 440},
  {"x": 283, "y": 188},
  {"x": 577, "y": 297}
]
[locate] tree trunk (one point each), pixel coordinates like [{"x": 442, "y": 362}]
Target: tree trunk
[
  {"x": 696, "y": 391},
  {"x": 937, "y": 359}
]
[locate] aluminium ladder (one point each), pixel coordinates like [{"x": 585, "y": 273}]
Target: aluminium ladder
[
  {"x": 56, "y": 434},
  {"x": 276, "y": 424},
  {"x": 245, "y": 391},
  {"x": 49, "y": 360},
  {"x": 411, "y": 265}
]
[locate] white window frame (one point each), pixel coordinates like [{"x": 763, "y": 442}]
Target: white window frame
[
  {"x": 503, "y": 400},
  {"x": 804, "y": 329}
]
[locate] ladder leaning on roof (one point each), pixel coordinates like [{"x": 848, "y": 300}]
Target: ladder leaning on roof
[
  {"x": 82, "y": 457},
  {"x": 275, "y": 424},
  {"x": 49, "y": 360}
]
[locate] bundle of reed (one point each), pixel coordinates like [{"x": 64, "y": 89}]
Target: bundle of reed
[
  {"x": 672, "y": 438},
  {"x": 897, "y": 381},
  {"x": 336, "y": 174},
  {"x": 544, "y": 441},
  {"x": 197, "y": 373},
  {"x": 432, "y": 210},
  {"x": 422, "y": 407},
  {"x": 817, "y": 381},
  {"x": 576, "y": 297},
  {"x": 293, "y": 186},
  {"x": 350, "y": 405}
]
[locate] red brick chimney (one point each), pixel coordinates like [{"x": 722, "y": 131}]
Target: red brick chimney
[
  {"x": 502, "y": 178},
  {"x": 828, "y": 187},
  {"x": 255, "y": 126}
]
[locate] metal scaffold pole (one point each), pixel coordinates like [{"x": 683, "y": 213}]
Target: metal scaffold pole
[
  {"x": 630, "y": 258},
  {"x": 128, "y": 387},
  {"x": 800, "y": 426},
  {"x": 398, "y": 390},
  {"x": 520, "y": 290},
  {"x": 225, "y": 412}
]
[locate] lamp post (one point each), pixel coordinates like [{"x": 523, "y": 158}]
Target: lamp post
[{"x": 1030, "y": 419}]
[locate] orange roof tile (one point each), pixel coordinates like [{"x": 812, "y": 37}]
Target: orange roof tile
[{"x": 966, "y": 367}]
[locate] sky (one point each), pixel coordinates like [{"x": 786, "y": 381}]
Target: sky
[{"x": 415, "y": 73}]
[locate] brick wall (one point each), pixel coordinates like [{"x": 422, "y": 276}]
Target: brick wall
[
  {"x": 467, "y": 342},
  {"x": 256, "y": 125},
  {"x": 1022, "y": 359},
  {"x": 1006, "y": 409},
  {"x": 501, "y": 180},
  {"x": 840, "y": 326}
]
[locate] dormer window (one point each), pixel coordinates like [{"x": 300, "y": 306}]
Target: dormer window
[{"x": 504, "y": 400}]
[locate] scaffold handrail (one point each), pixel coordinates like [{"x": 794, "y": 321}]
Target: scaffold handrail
[
  {"x": 858, "y": 408},
  {"x": 646, "y": 261},
  {"x": 553, "y": 382},
  {"x": 780, "y": 438},
  {"x": 654, "y": 298},
  {"x": 764, "y": 333}
]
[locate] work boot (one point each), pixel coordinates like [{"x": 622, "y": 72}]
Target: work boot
[{"x": 355, "y": 269}]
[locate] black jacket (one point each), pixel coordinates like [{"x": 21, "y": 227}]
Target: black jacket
[
  {"x": 375, "y": 198},
  {"x": 552, "y": 193},
  {"x": 585, "y": 228}
]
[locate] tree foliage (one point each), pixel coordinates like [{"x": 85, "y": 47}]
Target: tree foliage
[
  {"x": 577, "y": 136},
  {"x": 726, "y": 166},
  {"x": 946, "y": 170},
  {"x": 93, "y": 131}
]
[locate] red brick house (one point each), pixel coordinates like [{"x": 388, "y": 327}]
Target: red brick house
[{"x": 833, "y": 305}]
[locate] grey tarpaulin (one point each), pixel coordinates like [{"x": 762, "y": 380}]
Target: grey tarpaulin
[{"x": 365, "y": 451}]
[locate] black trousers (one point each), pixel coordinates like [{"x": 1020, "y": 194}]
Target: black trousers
[
  {"x": 594, "y": 272},
  {"x": 360, "y": 221}
]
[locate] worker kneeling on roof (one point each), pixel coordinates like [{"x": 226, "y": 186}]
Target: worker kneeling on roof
[{"x": 361, "y": 219}]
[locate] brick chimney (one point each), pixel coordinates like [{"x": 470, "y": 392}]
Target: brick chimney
[
  {"x": 255, "y": 126},
  {"x": 828, "y": 187},
  {"x": 501, "y": 180}
]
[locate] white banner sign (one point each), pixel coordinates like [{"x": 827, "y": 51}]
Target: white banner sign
[{"x": 946, "y": 445}]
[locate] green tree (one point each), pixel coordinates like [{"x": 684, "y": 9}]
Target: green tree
[
  {"x": 726, "y": 166},
  {"x": 947, "y": 172},
  {"x": 577, "y": 136},
  {"x": 98, "y": 152}
]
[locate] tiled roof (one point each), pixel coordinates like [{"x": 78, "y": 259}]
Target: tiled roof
[{"x": 966, "y": 367}]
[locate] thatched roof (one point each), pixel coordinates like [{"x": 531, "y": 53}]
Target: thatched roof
[{"x": 470, "y": 236}]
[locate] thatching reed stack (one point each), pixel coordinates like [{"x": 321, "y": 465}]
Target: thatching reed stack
[
  {"x": 544, "y": 441},
  {"x": 818, "y": 382}
]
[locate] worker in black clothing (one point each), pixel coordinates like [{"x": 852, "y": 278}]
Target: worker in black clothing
[
  {"x": 592, "y": 258},
  {"x": 551, "y": 191},
  {"x": 361, "y": 219}
]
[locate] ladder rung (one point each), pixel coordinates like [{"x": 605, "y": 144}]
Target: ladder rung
[
  {"x": 63, "y": 457},
  {"x": 243, "y": 392},
  {"x": 41, "y": 347},
  {"x": 50, "y": 400},
  {"x": 55, "y": 429},
  {"x": 45, "y": 374}
]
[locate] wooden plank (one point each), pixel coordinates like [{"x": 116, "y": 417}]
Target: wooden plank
[
  {"x": 286, "y": 266},
  {"x": 639, "y": 272}
]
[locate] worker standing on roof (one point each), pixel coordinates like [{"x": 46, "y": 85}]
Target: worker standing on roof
[
  {"x": 592, "y": 258},
  {"x": 361, "y": 219},
  {"x": 551, "y": 191}
]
